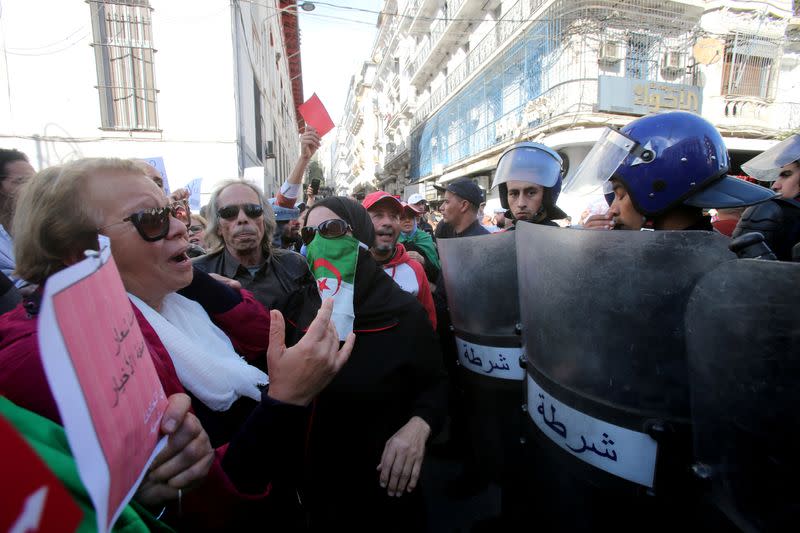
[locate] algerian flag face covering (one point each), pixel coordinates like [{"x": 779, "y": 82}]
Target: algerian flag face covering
[{"x": 333, "y": 264}]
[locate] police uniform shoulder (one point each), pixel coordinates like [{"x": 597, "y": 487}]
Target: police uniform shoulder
[
  {"x": 787, "y": 203},
  {"x": 766, "y": 210}
]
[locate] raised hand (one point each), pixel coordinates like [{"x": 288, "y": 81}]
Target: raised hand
[{"x": 299, "y": 373}]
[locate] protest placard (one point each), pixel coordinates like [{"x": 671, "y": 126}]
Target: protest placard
[
  {"x": 101, "y": 375},
  {"x": 315, "y": 115}
]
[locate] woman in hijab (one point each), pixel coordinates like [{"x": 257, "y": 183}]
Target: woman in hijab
[{"x": 370, "y": 426}]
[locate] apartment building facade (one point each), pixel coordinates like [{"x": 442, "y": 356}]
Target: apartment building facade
[
  {"x": 208, "y": 88},
  {"x": 457, "y": 82}
]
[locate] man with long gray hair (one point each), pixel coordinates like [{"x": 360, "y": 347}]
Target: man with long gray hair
[{"x": 240, "y": 226}]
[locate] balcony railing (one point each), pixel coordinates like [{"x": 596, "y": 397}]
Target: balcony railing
[
  {"x": 437, "y": 32},
  {"x": 399, "y": 151},
  {"x": 752, "y": 112},
  {"x": 519, "y": 14}
]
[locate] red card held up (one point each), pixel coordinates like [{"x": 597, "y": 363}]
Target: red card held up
[
  {"x": 33, "y": 498},
  {"x": 315, "y": 115}
]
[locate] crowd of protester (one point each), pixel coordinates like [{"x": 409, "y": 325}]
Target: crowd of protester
[{"x": 229, "y": 299}]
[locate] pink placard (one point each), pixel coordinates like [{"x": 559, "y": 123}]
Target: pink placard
[
  {"x": 315, "y": 115},
  {"x": 99, "y": 368}
]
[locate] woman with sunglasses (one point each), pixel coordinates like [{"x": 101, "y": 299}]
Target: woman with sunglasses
[
  {"x": 370, "y": 426},
  {"x": 197, "y": 236},
  {"x": 195, "y": 340}
]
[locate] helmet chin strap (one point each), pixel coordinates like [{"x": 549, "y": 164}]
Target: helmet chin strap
[
  {"x": 537, "y": 217},
  {"x": 540, "y": 215}
]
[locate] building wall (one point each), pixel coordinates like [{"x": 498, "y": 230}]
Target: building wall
[
  {"x": 472, "y": 84},
  {"x": 263, "y": 84},
  {"x": 356, "y": 159},
  {"x": 49, "y": 105}
]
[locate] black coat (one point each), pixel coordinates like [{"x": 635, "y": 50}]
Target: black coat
[{"x": 394, "y": 373}]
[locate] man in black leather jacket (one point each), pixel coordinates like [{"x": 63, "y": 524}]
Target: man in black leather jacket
[{"x": 240, "y": 229}]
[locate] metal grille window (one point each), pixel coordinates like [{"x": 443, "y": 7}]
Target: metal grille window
[
  {"x": 641, "y": 62},
  {"x": 123, "y": 45},
  {"x": 750, "y": 67}
]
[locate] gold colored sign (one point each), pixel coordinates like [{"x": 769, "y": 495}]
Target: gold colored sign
[{"x": 658, "y": 96}]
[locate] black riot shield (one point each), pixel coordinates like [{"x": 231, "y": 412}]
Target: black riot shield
[
  {"x": 480, "y": 275},
  {"x": 743, "y": 341},
  {"x": 607, "y": 386}
]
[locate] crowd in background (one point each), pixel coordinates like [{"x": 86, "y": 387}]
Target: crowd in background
[{"x": 304, "y": 343}]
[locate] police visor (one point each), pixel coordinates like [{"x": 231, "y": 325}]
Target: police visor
[
  {"x": 600, "y": 163},
  {"x": 529, "y": 163},
  {"x": 767, "y": 166}
]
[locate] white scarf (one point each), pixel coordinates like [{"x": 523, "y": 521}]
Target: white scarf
[{"x": 203, "y": 355}]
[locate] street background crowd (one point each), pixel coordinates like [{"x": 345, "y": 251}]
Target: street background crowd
[{"x": 308, "y": 345}]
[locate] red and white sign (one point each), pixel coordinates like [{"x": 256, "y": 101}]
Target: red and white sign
[{"x": 101, "y": 375}]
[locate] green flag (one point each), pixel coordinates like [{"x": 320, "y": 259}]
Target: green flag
[
  {"x": 333, "y": 264},
  {"x": 425, "y": 243}
]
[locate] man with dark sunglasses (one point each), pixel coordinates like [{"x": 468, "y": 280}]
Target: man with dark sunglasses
[{"x": 241, "y": 224}]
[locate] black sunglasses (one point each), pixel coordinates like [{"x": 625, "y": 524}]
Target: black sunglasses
[
  {"x": 330, "y": 229},
  {"x": 153, "y": 224},
  {"x": 229, "y": 212}
]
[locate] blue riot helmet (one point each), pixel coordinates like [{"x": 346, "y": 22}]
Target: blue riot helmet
[
  {"x": 665, "y": 160},
  {"x": 534, "y": 163}
]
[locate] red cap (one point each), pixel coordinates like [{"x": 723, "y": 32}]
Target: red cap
[
  {"x": 375, "y": 197},
  {"x": 413, "y": 208}
]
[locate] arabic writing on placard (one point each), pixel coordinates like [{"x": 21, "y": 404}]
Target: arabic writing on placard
[
  {"x": 154, "y": 422},
  {"x": 617, "y": 450},
  {"x": 127, "y": 354},
  {"x": 490, "y": 360},
  {"x": 106, "y": 377}
]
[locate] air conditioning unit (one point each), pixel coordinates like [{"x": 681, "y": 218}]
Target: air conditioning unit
[
  {"x": 673, "y": 61},
  {"x": 611, "y": 52},
  {"x": 269, "y": 150},
  {"x": 438, "y": 169}
]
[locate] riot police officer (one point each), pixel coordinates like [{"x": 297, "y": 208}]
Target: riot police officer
[
  {"x": 660, "y": 171},
  {"x": 617, "y": 368},
  {"x": 528, "y": 178},
  {"x": 778, "y": 220}
]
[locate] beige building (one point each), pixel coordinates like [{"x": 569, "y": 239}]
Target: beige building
[
  {"x": 208, "y": 86},
  {"x": 457, "y": 82}
]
